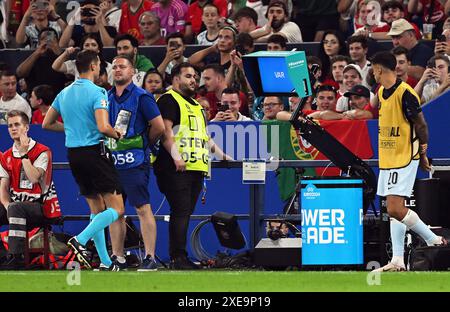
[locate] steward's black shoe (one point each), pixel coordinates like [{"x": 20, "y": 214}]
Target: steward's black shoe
[
  {"x": 122, "y": 266},
  {"x": 183, "y": 263}
]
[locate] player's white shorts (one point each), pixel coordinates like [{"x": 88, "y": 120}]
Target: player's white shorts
[{"x": 397, "y": 181}]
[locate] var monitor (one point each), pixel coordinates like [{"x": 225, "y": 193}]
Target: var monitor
[{"x": 277, "y": 73}]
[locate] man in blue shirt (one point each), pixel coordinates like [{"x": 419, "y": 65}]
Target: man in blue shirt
[
  {"x": 134, "y": 113},
  {"x": 83, "y": 107}
]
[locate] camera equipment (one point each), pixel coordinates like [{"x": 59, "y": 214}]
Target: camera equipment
[
  {"x": 275, "y": 229},
  {"x": 335, "y": 151},
  {"x": 228, "y": 230}
]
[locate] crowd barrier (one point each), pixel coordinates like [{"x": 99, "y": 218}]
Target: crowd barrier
[{"x": 13, "y": 57}]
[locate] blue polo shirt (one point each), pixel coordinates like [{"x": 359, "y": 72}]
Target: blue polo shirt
[
  {"x": 146, "y": 111},
  {"x": 77, "y": 104}
]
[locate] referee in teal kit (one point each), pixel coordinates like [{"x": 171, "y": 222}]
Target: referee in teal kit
[{"x": 83, "y": 107}]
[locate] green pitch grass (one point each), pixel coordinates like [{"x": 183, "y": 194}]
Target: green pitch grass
[{"x": 222, "y": 281}]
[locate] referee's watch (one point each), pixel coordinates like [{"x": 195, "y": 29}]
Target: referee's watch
[{"x": 24, "y": 157}]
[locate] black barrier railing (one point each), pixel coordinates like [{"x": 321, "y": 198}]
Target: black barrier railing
[
  {"x": 14, "y": 57},
  {"x": 257, "y": 192}
]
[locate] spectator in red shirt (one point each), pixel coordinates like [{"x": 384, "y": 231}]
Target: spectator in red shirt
[
  {"x": 129, "y": 20},
  {"x": 194, "y": 23},
  {"x": 214, "y": 78},
  {"x": 368, "y": 17},
  {"x": 150, "y": 28},
  {"x": 431, "y": 12},
  {"x": 403, "y": 62},
  {"x": 391, "y": 11},
  {"x": 338, "y": 64},
  {"x": 41, "y": 98},
  {"x": 360, "y": 108},
  {"x": 16, "y": 12}
]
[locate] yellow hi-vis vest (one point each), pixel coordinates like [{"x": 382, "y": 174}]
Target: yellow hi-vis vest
[
  {"x": 397, "y": 142},
  {"x": 191, "y": 137}
]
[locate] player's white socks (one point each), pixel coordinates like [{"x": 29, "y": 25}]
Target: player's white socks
[
  {"x": 121, "y": 259},
  {"x": 398, "y": 231},
  {"x": 413, "y": 222}
]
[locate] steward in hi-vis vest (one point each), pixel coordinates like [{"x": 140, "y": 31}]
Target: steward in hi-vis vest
[
  {"x": 191, "y": 137},
  {"x": 183, "y": 158}
]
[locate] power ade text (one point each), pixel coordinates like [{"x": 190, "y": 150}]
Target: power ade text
[{"x": 324, "y": 226}]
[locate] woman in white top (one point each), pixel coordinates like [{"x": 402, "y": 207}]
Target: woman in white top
[
  {"x": 210, "y": 18},
  {"x": 89, "y": 42}
]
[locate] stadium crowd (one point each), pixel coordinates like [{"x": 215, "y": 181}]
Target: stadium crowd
[{"x": 347, "y": 32}]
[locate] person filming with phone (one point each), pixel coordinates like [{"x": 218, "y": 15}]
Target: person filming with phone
[
  {"x": 442, "y": 45},
  {"x": 228, "y": 108},
  {"x": 88, "y": 18},
  {"x": 37, "y": 67},
  {"x": 174, "y": 54},
  {"x": 39, "y": 15},
  {"x": 435, "y": 79}
]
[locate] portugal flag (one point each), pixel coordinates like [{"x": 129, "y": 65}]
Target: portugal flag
[{"x": 353, "y": 134}]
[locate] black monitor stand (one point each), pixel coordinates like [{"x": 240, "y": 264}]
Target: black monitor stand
[{"x": 336, "y": 152}]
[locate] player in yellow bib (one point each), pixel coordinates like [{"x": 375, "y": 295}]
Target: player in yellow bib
[{"x": 402, "y": 146}]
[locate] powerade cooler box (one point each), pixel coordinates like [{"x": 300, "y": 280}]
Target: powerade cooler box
[{"x": 332, "y": 214}]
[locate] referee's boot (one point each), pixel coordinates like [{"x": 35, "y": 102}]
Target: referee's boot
[{"x": 80, "y": 252}]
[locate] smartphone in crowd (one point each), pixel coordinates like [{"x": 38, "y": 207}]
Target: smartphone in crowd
[
  {"x": 223, "y": 107},
  {"x": 40, "y": 5},
  {"x": 173, "y": 45},
  {"x": 240, "y": 48}
]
